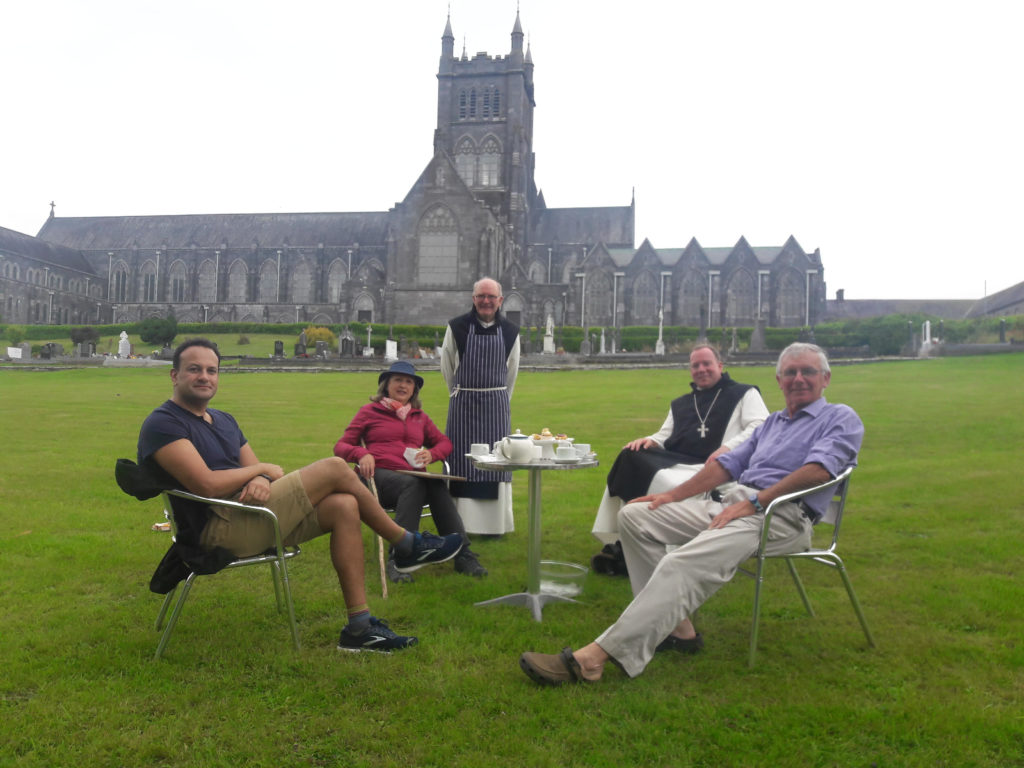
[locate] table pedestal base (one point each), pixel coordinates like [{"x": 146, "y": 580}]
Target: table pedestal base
[{"x": 535, "y": 602}]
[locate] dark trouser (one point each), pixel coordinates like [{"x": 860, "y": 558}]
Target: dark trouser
[{"x": 408, "y": 494}]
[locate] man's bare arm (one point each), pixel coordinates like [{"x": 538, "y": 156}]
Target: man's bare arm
[{"x": 183, "y": 462}]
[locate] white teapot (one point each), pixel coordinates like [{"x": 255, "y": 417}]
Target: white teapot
[{"x": 517, "y": 448}]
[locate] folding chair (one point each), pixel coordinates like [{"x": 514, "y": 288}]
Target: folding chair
[
  {"x": 132, "y": 480},
  {"x": 828, "y": 556}
]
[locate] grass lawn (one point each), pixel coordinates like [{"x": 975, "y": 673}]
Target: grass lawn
[{"x": 932, "y": 539}]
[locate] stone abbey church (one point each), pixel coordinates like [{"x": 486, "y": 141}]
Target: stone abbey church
[{"x": 474, "y": 211}]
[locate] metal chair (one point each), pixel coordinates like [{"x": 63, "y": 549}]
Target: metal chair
[
  {"x": 185, "y": 561},
  {"x": 827, "y": 556},
  {"x": 277, "y": 558}
]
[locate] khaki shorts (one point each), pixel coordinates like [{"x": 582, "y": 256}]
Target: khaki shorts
[{"x": 246, "y": 533}]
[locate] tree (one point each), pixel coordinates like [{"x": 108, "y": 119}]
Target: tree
[
  {"x": 84, "y": 334},
  {"x": 159, "y": 330},
  {"x": 15, "y": 334}
]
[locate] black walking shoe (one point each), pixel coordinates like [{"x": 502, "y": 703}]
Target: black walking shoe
[
  {"x": 428, "y": 549},
  {"x": 379, "y": 638},
  {"x": 673, "y": 643},
  {"x": 466, "y": 562}
]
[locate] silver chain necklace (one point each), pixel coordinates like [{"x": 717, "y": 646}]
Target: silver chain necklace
[{"x": 703, "y": 429}]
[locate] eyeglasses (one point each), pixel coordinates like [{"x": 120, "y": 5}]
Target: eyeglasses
[
  {"x": 486, "y": 296},
  {"x": 807, "y": 373}
]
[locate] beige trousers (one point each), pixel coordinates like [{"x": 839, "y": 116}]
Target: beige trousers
[{"x": 669, "y": 587}]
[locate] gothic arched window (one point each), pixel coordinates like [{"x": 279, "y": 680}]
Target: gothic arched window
[
  {"x": 237, "y": 277},
  {"x": 490, "y": 163},
  {"x": 741, "y": 299},
  {"x": 465, "y": 160},
  {"x": 149, "y": 281},
  {"x": 177, "y": 278},
  {"x": 207, "y": 282},
  {"x": 789, "y": 299},
  {"x": 268, "y": 282},
  {"x": 300, "y": 289},
  {"x": 645, "y": 299},
  {"x": 120, "y": 283},
  {"x": 438, "y": 238},
  {"x": 336, "y": 281},
  {"x": 691, "y": 298}
]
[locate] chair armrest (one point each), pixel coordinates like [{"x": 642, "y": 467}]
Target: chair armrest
[
  {"x": 231, "y": 504},
  {"x": 836, "y": 482}
]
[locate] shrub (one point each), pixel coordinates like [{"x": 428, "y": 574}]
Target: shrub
[
  {"x": 158, "y": 330},
  {"x": 83, "y": 334},
  {"x": 15, "y": 334},
  {"x": 243, "y": 339},
  {"x": 315, "y": 333}
]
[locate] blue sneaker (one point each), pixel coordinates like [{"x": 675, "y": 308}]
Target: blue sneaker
[
  {"x": 379, "y": 638},
  {"x": 428, "y": 548}
]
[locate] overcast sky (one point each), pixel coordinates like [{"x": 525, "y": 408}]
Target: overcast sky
[{"x": 887, "y": 133}]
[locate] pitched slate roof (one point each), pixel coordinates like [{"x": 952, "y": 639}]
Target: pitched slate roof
[
  {"x": 611, "y": 225},
  {"x": 1009, "y": 299},
  {"x": 236, "y": 230},
  {"x": 16, "y": 243}
]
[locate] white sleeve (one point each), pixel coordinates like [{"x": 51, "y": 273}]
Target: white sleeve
[
  {"x": 749, "y": 412},
  {"x": 665, "y": 432},
  {"x": 513, "y": 368},
  {"x": 449, "y": 359}
]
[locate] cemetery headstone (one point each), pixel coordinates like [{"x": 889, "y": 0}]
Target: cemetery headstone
[{"x": 124, "y": 347}]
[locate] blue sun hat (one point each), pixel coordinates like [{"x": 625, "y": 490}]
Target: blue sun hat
[{"x": 406, "y": 369}]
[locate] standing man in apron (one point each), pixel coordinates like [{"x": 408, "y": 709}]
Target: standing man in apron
[{"x": 479, "y": 361}]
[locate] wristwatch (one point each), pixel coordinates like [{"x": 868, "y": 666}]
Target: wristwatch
[{"x": 756, "y": 504}]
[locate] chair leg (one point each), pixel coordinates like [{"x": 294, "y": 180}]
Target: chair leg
[
  {"x": 163, "y": 608},
  {"x": 275, "y": 576},
  {"x": 799, "y": 586},
  {"x": 853, "y": 600},
  {"x": 185, "y": 589},
  {"x": 286, "y": 587},
  {"x": 755, "y": 622}
]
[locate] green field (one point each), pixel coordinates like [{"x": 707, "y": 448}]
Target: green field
[{"x": 932, "y": 539}]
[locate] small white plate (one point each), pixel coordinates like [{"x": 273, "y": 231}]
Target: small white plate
[
  {"x": 573, "y": 460},
  {"x": 483, "y": 457}
]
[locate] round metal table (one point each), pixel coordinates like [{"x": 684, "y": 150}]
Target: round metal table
[{"x": 534, "y": 597}]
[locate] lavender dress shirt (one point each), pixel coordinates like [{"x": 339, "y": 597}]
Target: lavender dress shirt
[{"x": 823, "y": 433}]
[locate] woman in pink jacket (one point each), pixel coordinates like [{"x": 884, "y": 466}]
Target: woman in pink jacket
[{"x": 377, "y": 441}]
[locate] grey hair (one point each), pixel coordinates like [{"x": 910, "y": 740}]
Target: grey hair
[
  {"x": 800, "y": 348},
  {"x": 477, "y": 283}
]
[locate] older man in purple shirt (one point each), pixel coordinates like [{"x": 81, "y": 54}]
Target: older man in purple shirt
[{"x": 806, "y": 444}]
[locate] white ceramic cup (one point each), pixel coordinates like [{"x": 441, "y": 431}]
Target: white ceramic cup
[
  {"x": 479, "y": 449},
  {"x": 567, "y": 452},
  {"x": 582, "y": 449}
]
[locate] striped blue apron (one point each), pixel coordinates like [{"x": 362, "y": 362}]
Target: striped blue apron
[{"x": 478, "y": 410}]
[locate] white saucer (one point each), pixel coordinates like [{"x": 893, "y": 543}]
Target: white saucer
[
  {"x": 573, "y": 460},
  {"x": 482, "y": 457}
]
